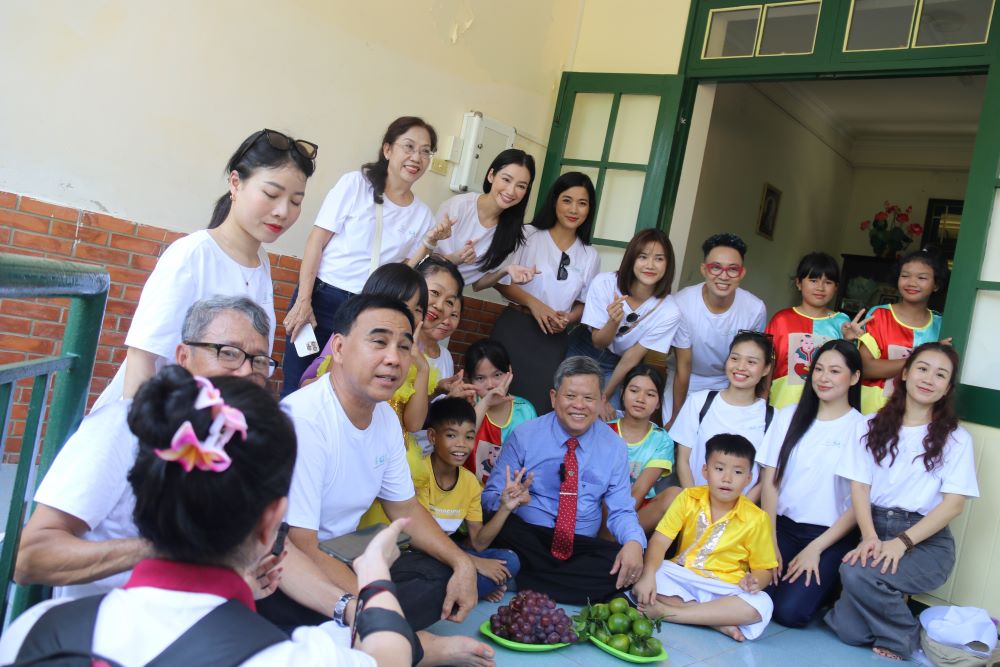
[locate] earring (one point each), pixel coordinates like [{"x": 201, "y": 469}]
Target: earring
[{"x": 231, "y": 196}]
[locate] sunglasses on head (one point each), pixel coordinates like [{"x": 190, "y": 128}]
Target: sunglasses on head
[
  {"x": 759, "y": 335},
  {"x": 563, "y": 272},
  {"x": 280, "y": 141}
]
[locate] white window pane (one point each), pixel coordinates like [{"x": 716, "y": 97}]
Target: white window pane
[
  {"x": 953, "y": 22},
  {"x": 634, "y": 128},
  {"x": 880, "y": 24},
  {"x": 589, "y": 126},
  {"x": 593, "y": 172},
  {"x": 618, "y": 209},
  {"x": 981, "y": 367},
  {"x": 991, "y": 265},
  {"x": 731, "y": 33},
  {"x": 789, "y": 29}
]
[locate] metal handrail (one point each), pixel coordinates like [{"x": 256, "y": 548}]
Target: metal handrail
[{"x": 87, "y": 288}]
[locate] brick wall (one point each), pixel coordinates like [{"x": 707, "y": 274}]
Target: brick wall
[{"x": 128, "y": 250}]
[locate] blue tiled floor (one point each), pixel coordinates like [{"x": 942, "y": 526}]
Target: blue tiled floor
[{"x": 814, "y": 646}]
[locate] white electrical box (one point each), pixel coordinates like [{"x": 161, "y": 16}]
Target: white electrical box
[{"x": 482, "y": 140}]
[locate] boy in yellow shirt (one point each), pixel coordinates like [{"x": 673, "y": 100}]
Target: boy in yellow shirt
[
  {"x": 452, "y": 494},
  {"x": 726, "y": 552}
]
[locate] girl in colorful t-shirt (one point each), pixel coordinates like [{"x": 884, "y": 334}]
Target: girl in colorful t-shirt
[
  {"x": 801, "y": 330},
  {"x": 487, "y": 367},
  {"x": 894, "y": 330}
]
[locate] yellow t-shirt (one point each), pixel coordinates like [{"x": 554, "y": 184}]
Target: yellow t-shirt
[
  {"x": 449, "y": 508},
  {"x": 725, "y": 549}
]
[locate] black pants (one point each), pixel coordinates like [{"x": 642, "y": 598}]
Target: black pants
[
  {"x": 420, "y": 585},
  {"x": 585, "y": 575}
]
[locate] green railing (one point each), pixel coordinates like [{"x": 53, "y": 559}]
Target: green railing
[{"x": 87, "y": 289}]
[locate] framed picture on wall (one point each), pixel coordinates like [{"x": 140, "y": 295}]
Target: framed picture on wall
[{"x": 768, "y": 214}]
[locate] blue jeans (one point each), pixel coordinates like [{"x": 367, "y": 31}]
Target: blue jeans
[
  {"x": 326, "y": 299},
  {"x": 487, "y": 585},
  {"x": 581, "y": 344}
]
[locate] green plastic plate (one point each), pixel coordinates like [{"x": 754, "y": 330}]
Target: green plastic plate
[
  {"x": 517, "y": 646},
  {"x": 628, "y": 657}
]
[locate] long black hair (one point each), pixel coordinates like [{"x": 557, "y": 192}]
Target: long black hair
[
  {"x": 509, "y": 234},
  {"x": 808, "y": 408},
  {"x": 378, "y": 171},
  {"x": 818, "y": 265},
  {"x": 545, "y": 218},
  {"x": 398, "y": 280},
  {"x": 256, "y": 152}
]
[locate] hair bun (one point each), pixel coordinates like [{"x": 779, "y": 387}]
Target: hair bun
[{"x": 162, "y": 404}]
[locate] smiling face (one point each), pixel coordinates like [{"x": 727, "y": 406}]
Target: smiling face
[
  {"x": 816, "y": 292},
  {"x": 453, "y": 442},
  {"x": 372, "y": 358},
  {"x": 727, "y": 476},
  {"x": 572, "y": 207},
  {"x": 509, "y": 185},
  {"x": 651, "y": 264},
  {"x": 268, "y": 202},
  {"x": 640, "y": 398},
  {"x": 728, "y": 260},
  {"x": 746, "y": 365},
  {"x": 929, "y": 377},
  {"x": 486, "y": 377},
  {"x": 916, "y": 282},
  {"x": 442, "y": 297},
  {"x": 832, "y": 377},
  {"x": 409, "y": 156},
  {"x": 576, "y": 401}
]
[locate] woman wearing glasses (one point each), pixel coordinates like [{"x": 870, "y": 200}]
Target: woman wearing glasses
[
  {"x": 557, "y": 245},
  {"x": 266, "y": 184},
  {"x": 629, "y": 312},
  {"x": 371, "y": 217}
]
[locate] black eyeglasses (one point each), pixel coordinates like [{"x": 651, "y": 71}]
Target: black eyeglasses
[
  {"x": 630, "y": 321},
  {"x": 282, "y": 142},
  {"x": 233, "y": 358},
  {"x": 563, "y": 272}
]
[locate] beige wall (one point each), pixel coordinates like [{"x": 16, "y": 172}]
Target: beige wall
[{"x": 638, "y": 36}]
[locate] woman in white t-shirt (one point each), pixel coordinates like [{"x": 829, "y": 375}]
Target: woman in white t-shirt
[
  {"x": 911, "y": 469},
  {"x": 741, "y": 408},
  {"x": 812, "y": 520},
  {"x": 267, "y": 182},
  {"x": 211, "y": 480},
  {"x": 371, "y": 217},
  {"x": 629, "y": 312},
  {"x": 487, "y": 228},
  {"x": 557, "y": 246}
]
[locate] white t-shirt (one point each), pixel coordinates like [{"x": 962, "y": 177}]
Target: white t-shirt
[
  {"x": 745, "y": 420},
  {"x": 539, "y": 250},
  {"x": 191, "y": 268},
  {"x": 349, "y": 212},
  {"x": 709, "y": 334},
  {"x": 905, "y": 483},
  {"x": 810, "y": 490},
  {"x": 89, "y": 480},
  {"x": 658, "y": 321},
  {"x": 463, "y": 210},
  {"x": 137, "y": 624},
  {"x": 340, "y": 470}
]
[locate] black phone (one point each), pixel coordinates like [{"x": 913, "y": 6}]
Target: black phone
[{"x": 279, "y": 542}]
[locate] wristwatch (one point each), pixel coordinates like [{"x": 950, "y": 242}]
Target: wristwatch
[{"x": 338, "y": 611}]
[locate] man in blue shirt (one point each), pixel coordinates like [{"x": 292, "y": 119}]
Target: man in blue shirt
[{"x": 578, "y": 464}]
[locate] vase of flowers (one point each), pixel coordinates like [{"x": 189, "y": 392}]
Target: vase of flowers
[{"x": 890, "y": 231}]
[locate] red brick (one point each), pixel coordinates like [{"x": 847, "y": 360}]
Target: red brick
[
  {"x": 135, "y": 245},
  {"x": 491, "y": 307},
  {"x": 4, "y": 235},
  {"x": 15, "y": 325},
  {"x": 151, "y": 233},
  {"x": 128, "y": 276},
  {"x": 16, "y": 429},
  {"x": 38, "y": 311},
  {"x": 173, "y": 236},
  {"x": 23, "y": 251},
  {"x": 10, "y": 357},
  {"x": 120, "y": 307},
  {"x": 123, "y": 324},
  {"x": 8, "y": 200},
  {"x": 101, "y": 254},
  {"x": 48, "y": 330},
  {"x": 24, "y": 221},
  {"x": 273, "y": 258},
  {"x": 284, "y": 289},
  {"x": 79, "y": 232},
  {"x": 130, "y": 293},
  {"x": 118, "y": 355},
  {"x": 281, "y": 304},
  {"x": 143, "y": 262},
  {"x": 477, "y": 316},
  {"x": 105, "y": 370},
  {"x": 28, "y": 344},
  {"x": 112, "y": 338},
  {"x": 29, "y": 205},
  {"x": 47, "y": 244},
  {"x": 289, "y": 262},
  {"x": 285, "y": 275},
  {"x": 108, "y": 222}
]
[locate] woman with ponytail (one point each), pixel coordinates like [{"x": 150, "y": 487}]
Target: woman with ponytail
[
  {"x": 211, "y": 480},
  {"x": 812, "y": 522},
  {"x": 911, "y": 470},
  {"x": 266, "y": 179}
]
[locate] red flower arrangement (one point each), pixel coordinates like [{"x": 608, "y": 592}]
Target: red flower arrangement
[{"x": 886, "y": 231}]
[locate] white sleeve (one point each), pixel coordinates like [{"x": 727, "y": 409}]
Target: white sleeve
[
  {"x": 592, "y": 270},
  {"x": 397, "y": 484},
  {"x": 90, "y": 473},
  {"x": 767, "y": 455},
  {"x": 761, "y": 322},
  {"x": 314, "y": 646},
  {"x": 168, "y": 293},
  {"x": 601, "y": 293},
  {"x": 958, "y": 474},
  {"x": 305, "y": 497},
  {"x": 682, "y": 338},
  {"x": 339, "y": 202},
  {"x": 685, "y": 428},
  {"x": 856, "y": 462},
  {"x": 663, "y": 332}
]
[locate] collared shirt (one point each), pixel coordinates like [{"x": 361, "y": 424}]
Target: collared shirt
[
  {"x": 724, "y": 549},
  {"x": 602, "y": 459}
]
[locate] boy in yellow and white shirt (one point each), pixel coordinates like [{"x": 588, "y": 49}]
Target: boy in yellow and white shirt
[
  {"x": 453, "y": 495},
  {"x": 725, "y": 555}
]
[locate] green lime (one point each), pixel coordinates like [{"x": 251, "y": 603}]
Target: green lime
[
  {"x": 601, "y": 635},
  {"x": 633, "y": 613},
  {"x": 619, "y": 624},
  {"x": 600, "y": 611},
  {"x": 642, "y": 627},
  {"x": 638, "y": 649},
  {"x": 618, "y": 606},
  {"x": 620, "y": 642},
  {"x": 654, "y": 646}
]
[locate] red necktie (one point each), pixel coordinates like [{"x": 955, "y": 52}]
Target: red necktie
[{"x": 562, "y": 536}]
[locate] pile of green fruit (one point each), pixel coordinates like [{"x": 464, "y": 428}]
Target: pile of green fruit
[{"x": 620, "y": 626}]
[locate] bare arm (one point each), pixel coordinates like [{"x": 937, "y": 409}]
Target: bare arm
[
  {"x": 643, "y": 483},
  {"x": 308, "y": 542},
  {"x": 543, "y": 315},
  {"x": 879, "y": 369},
  {"x": 306, "y": 583},
  {"x": 140, "y": 366},
  {"x": 656, "y": 549},
  {"x": 518, "y": 274},
  {"x": 52, "y": 551},
  {"x": 629, "y": 360},
  {"x": 682, "y": 380},
  {"x": 390, "y": 649},
  {"x": 951, "y": 506},
  {"x": 683, "y": 466},
  {"x": 302, "y": 312}
]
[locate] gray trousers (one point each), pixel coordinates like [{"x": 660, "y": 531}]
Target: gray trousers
[{"x": 871, "y": 610}]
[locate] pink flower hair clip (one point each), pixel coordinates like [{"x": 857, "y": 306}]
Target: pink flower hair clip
[{"x": 208, "y": 454}]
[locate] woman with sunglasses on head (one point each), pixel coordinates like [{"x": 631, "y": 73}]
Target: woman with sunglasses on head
[
  {"x": 211, "y": 477},
  {"x": 533, "y": 326},
  {"x": 371, "y": 217},
  {"x": 487, "y": 228},
  {"x": 266, "y": 179},
  {"x": 629, "y": 312}
]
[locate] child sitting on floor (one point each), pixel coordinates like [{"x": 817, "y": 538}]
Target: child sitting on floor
[
  {"x": 726, "y": 551},
  {"x": 452, "y": 494}
]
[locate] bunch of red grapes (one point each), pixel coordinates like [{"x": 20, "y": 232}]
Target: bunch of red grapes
[{"x": 533, "y": 618}]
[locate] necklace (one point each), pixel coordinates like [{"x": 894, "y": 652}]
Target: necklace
[{"x": 246, "y": 272}]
